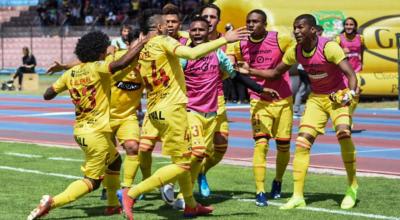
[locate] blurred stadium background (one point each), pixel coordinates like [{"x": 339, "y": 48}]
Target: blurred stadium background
[{"x": 50, "y": 28}]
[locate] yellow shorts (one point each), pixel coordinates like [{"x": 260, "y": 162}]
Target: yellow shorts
[
  {"x": 222, "y": 118},
  {"x": 170, "y": 125},
  {"x": 99, "y": 152},
  {"x": 202, "y": 132},
  {"x": 319, "y": 108},
  {"x": 272, "y": 119},
  {"x": 125, "y": 129}
]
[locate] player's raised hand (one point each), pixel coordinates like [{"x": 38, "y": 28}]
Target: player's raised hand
[
  {"x": 55, "y": 67},
  {"x": 238, "y": 34},
  {"x": 242, "y": 67}
]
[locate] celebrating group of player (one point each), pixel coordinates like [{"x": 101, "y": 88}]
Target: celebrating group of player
[{"x": 182, "y": 74}]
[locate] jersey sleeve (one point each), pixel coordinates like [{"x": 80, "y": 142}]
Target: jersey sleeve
[
  {"x": 289, "y": 58},
  {"x": 337, "y": 39},
  {"x": 225, "y": 64},
  {"x": 333, "y": 52},
  {"x": 61, "y": 84},
  {"x": 233, "y": 49},
  {"x": 284, "y": 42},
  {"x": 173, "y": 47}
]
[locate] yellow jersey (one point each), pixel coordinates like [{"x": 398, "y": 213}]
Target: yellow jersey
[
  {"x": 161, "y": 70},
  {"x": 126, "y": 89},
  {"x": 89, "y": 85}
]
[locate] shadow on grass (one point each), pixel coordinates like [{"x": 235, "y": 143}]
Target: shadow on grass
[
  {"x": 320, "y": 197},
  {"x": 165, "y": 211}
]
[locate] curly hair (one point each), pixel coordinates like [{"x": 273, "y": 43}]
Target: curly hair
[{"x": 91, "y": 45}]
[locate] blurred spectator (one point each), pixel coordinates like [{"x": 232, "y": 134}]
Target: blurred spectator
[
  {"x": 104, "y": 12},
  {"x": 28, "y": 66}
]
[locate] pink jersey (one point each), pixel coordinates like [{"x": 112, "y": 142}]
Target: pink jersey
[
  {"x": 266, "y": 55},
  {"x": 202, "y": 77},
  {"x": 325, "y": 77},
  {"x": 355, "y": 49},
  {"x": 183, "y": 40}
]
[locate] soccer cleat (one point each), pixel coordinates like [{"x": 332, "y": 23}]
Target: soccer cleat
[
  {"x": 294, "y": 202},
  {"x": 204, "y": 189},
  {"x": 261, "y": 199},
  {"x": 276, "y": 189},
  {"x": 167, "y": 193},
  {"x": 199, "y": 210},
  {"x": 112, "y": 210},
  {"x": 42, "y": 209},
  {"x": 127, "y": 204},
  {"x": 103, "y": 194},
  {"x": 349, "y": 200}
]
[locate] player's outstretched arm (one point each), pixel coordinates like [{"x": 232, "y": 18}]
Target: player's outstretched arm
[
  {"x": 280, "y": 69},
  {"x": 58, "y": 66},
  {"x": 131, "y": 55},
  {"x": 205, "y": 48}
]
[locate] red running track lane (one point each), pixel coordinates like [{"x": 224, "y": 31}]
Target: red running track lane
[
  {"x": 324, "y": 139},
  {"x": 35, "y": 120}
]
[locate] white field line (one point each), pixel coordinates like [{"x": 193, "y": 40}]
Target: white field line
[
  {"x": 40, "y": 156},
  {"x": 21, "y": 170},
  {"x": 347, "y": 213},
  {"x": 314, "y": 209},
  {"x": 40, "y": 114}
]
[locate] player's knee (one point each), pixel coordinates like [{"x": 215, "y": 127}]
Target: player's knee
[
  {"x": 343, "y": 132},
  {"x": 220, "y": 138},
  {"x": 283, "y": 145},
  {"x": 116, "y": 164},
  {"x": 95, "y": 183},
  {"x": 131, "y": 147},
  {"x": 304, "y": 140}
]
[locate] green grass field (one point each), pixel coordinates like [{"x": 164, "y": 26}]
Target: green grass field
[{"x": 232, "y": 188}]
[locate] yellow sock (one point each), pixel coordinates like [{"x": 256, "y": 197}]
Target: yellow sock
[
  {"x": 282, "y": 160},
  {"x": 215, "y": 158},
  {"x": 74, "y": 191},
  {"x": 259, "y": 163},
  {"x": 112, "y": 183},
  {"x": 300, "y": 165},
  {"x": 195, "y": 167},
  {"x": 145, "y": 161},
  {"x": 348, "y": 156},
  {"x": 186, "y": 185},
  {"x": 162, "y": 176},
  {"x": 131, "y": 165}
]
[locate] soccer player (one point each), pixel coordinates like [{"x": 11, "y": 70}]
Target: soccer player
[
  {"x": 126, "y": 92},
  {"x": 212, "y": 14},
  {"x": 166, "y": 116},
  {"x": 89, "y": 88},
  {"x": 270, "y": 118},
  {"x": 173, "y": 18},
  {"x": 202, "y": 77},
  {"x": 353, "y": 46},
  {"x": 329, "y": 73}
]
